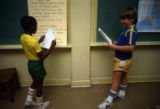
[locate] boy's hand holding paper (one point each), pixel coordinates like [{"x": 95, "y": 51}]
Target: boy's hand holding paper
[
  {"x": 105, "y": 36},
  {"x": 49, "y": 37}
]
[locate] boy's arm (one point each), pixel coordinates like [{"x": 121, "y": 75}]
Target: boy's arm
[
  {"x": 41, "y": 39},
  {"x": 126, "y": 48},
  {"x": 42, "y": 55}
]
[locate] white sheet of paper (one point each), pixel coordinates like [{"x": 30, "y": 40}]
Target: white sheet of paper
[
  {"x": 49, "y": 36},
  {"x": 105, "y": 36}
]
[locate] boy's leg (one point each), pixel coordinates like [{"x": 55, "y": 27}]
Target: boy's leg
[
  {"x": 30, "y": 94},
  {"x": 124, "y": 79},
  {"x": 39, "y": 87},
  {"x": 116, "y": 79},
  {"x": 113, "y": 92},
  {"x": 123, "y": 85},
  {"x": 39, "y": 95}
]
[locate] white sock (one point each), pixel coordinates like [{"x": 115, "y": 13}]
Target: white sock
[
  {"x": 41, "y": 104},
  {"x": 39, "y": 99},
  {"x": 30, "y": 94},
  {"x": 109, "y": 99},
  {"x": 111, "y": 96},
  {"x": 122, "y": 91}
]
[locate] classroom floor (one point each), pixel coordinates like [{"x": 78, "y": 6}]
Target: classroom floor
[{"x": 139, "y": 96}]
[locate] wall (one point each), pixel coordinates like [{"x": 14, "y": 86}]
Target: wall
[
  {"x": 82, "y": 64},
  {"x": 57, "y": 64},
  {"x": 145, "y": 67}
]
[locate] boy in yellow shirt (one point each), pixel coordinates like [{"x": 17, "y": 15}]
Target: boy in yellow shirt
[{"x": 35, "y": 56}]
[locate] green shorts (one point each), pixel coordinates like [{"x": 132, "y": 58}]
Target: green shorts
[{"x": 36, "y": 69}]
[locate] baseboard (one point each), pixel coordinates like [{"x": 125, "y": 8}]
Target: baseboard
[
  {"x": 147, "y": 78},
  {"x": 81, "y": 83},
  {"x": 25, "y": 82},
  {"x": 58, "y": 82},
  {"x": 131, "y": 79},
  {"x": 49, "y": 82},
  {"x": 96, "y": 80},
  {"x": 101, "y": 80}
]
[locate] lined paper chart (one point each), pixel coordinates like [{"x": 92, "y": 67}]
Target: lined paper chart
[{"x": 50, "y": 14}]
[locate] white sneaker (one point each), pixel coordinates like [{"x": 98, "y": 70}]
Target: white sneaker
[
  {"x": 104, "y": 105},
  {"x": 30, "y": 104},
  {"x": 43, "y": 105},
  {"x": 121, "y": 95}
]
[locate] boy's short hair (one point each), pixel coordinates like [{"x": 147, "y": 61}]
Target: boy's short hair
[
  {"x": 130, "y": 13},
  {"x": 27, "y": 22}
]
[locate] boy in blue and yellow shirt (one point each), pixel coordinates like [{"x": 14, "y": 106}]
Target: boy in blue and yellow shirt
[
  {"x": 123, "y": 55},
  {"x": 35, "y": 56}
]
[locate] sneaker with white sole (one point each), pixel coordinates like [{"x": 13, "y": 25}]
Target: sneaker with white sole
[
  {"x": 104, "y": 105},
  {"x": 43, "y": 105},
  {"x": 121, "y": 95},
  {"x": 30, "y": 104}
]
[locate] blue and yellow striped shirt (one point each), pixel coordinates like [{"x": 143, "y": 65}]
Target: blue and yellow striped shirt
[{"x": 127, "y": 37}]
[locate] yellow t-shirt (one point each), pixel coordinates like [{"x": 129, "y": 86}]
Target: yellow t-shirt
[{"x": 31, "y": 47}]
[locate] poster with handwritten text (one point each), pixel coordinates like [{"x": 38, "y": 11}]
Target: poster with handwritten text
[{"x": 50, "y": 14}]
